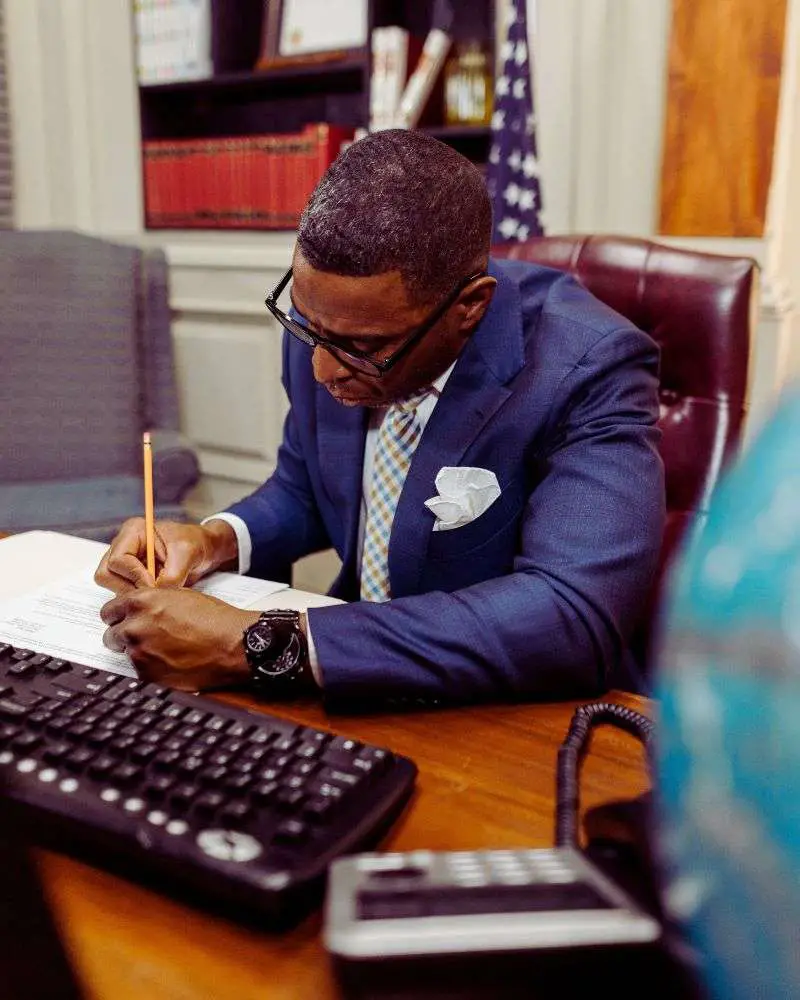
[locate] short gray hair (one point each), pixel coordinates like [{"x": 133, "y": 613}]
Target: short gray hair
[{"x": 402, "y": 201}]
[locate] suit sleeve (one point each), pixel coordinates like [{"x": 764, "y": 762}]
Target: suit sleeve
[
  {"x": 282, "y": 515},
  {"x": 557, "y": 625}
]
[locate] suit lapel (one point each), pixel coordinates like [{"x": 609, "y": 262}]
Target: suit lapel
[
  {"x": 465, "y": 407},
  {"x": 341, "y": 434},
  {"x": 474, "y": 392}
]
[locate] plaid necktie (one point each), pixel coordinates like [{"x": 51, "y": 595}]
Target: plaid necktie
[{"x": 397, "y": 439}]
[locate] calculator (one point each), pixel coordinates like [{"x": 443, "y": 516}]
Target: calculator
[{"x": 448, "y": 903}]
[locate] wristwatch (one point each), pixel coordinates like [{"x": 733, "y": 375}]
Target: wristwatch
[{"x": 277, "y": 654}]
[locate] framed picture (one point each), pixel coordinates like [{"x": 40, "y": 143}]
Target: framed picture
[{"x": 310, "y": 31}]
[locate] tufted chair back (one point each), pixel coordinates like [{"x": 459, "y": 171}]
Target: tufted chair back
[{"x": 699, "y": 308}]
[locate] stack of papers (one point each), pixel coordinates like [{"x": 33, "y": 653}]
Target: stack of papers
[{"x": 62, "y": 618}]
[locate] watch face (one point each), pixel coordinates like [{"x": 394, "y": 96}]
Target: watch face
[
  {"x": 259, "y": 638},
  {"x": 286, "y": 662}
]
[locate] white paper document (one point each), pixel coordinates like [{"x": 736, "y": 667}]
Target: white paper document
[{"x": 63, "y": 618}]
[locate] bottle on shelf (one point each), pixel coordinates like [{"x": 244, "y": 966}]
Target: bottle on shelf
[{"x": 468, "y": 86}]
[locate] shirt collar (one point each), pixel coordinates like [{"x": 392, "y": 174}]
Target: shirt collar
[{"x": 439, "y": 383}]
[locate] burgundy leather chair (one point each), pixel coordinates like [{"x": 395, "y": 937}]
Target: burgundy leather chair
[{"x": 698, "y": 308}]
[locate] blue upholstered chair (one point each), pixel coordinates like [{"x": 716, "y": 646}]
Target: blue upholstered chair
[{"x": 86, "y": 364}]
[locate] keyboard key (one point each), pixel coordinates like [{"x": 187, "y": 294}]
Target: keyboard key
[
  {"x": 21, "y": 654},
  {"x": 195, "y": 717},
  {"x": 192, "y": 765},
  {"x": 78, "y": 731},
  {"x": 167, "y": 725},
  {"x": 318, "y": 808},
  {"x": 346, "y": 779},
  {"x": 292, "y": 830},
  {"x": 78, "y": 758},
  {"x": 174, "y": 711},
  {"x": 12, "y": 709},
  {"x": 256, "y": 753},
  {"x": 39, "y": 660},
  {"x": 154, "y": 705},
  {"x": 210, "y": 739},
  {"x": 284, "y": 743},
  {"x": 173, "y": 743},
  {"x": 289, "y": 798},
  {"x": 304, "y": 767},
  {"x": 39, "y": 718},
  {"x": 239, "y": 730},
  {"x": 237, "y": 782},
  {"x": 234, "y": 747},
  {"x": 220, "y": 759},
  {"x": 308, "y": 750},
  {"x": 123, "y": 714},
  {"x": 101, "y": 766},
  {"x": 7, "y": 732},
  {"x": 56, "y": 666},
  {"x": 22, "y": 669},
  {"x": 347, "y": 746},
  {"x": 188, "y": 733},
  {"x": 56, "y": 751},
  {"x": 166, "y": 760},
  {"x": 158, "y": 786},
  {"x": 143, "y": 754},
  {"x": 209, "y": 802},
  {"x": 121, "y": 745},
  {"x": 236, "y": 812},
  {"x": 213, "y": 775},
  {"x": 134, "y": 699},
  {"x": 264, "y": 791},
  {"x": 217, "y": 724},
  {"x": 5, "y": 650},
  {"x": 26, "y": 741},
  {"x": 125, "y": 774},
  {"x": 58, "y": 725},
  {"x": 184, "y": 794},
  {"x": 100, "y": 737}
]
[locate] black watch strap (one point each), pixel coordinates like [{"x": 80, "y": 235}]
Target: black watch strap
[{"x": 277, "y": 654}]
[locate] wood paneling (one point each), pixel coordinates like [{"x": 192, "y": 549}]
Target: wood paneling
[{"x": 724, "y": 79}]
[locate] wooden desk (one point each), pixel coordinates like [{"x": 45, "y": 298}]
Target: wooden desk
[{"x": 486, "y": 780}]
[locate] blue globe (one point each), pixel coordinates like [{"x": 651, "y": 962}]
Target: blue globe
[{"x": 728, "y": 758}]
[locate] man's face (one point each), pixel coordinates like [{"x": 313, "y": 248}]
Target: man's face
[{"x": 374, "y": 315}]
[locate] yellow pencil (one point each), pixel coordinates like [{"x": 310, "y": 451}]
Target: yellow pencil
[{"x": 149, "y": 521}]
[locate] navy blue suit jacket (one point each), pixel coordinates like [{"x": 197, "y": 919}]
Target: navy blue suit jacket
[{"x": 555, "y": 393}]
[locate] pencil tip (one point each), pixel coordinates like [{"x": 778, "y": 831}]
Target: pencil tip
[{"x": 146, "y": 437}]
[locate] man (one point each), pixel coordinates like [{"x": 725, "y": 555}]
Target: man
[{"x": 409, "y": 352}]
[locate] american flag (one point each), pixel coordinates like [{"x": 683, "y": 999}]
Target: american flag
[{"x": 513, "y": 173}]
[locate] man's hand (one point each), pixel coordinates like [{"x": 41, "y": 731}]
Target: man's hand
[
  {"x": 179, "y": 638},
  {"x": 184, "y": 554}
]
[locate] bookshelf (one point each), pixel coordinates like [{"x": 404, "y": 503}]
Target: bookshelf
[{"x": 238, "y": 101}]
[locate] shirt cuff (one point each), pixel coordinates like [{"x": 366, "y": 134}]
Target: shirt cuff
[
  {"x": 243, "y": 540},
  {"x": 312, "y": 653}
]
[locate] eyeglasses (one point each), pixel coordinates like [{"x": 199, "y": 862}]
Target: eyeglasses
[{"x": 351, "y": 356}]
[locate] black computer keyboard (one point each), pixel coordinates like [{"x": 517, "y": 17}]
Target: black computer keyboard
[{"x": 233, "y": 807}]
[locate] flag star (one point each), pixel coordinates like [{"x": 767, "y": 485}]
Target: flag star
[
  {"x": 530, "y": 166},
  {"x": 516, "y": 125},
  {"x": 508, "y": 227},
  {"x": 518, "y": 88},
  {"x": 502, "y": 86},
  {"x": 507, "y": 50},
  {"x": 523, "y": 232},
  {"x": 515, "y": 160},
  {"x": 512, "y": 193},
  {"x": 527, "y": 199},
  {"x": 530, "y": 123},
  {"x": 498, "y": 120},
  {"x": 494, "y": 155},
  {"x": 520, "y": 53}
]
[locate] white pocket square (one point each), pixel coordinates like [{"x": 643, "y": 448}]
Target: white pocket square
[{"x": 464, "y": 494}]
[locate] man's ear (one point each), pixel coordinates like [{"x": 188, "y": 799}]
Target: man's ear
[{"x": 474, "y": 302}]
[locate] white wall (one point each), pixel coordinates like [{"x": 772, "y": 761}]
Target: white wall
[{"x": 600, "y": 83}]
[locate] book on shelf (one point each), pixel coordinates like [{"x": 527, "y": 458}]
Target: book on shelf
[
  {"x": 250, "y": 182},
  {"x": 173, "y": 40},
  {"x": 422, "y": 81},
  {"x": 393, "y": 52}
]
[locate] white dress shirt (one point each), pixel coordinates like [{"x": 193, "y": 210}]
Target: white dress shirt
[{"x": 244, "y": 542}]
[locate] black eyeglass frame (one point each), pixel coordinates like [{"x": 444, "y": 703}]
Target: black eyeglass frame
[{"x": 360, "y": 360}]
